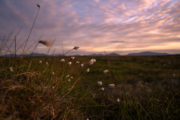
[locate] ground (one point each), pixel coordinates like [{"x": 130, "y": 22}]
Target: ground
[{"x": 48, "y": 88}]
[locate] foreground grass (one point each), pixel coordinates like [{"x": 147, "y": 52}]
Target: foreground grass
[{"x": 145, "y": 88}]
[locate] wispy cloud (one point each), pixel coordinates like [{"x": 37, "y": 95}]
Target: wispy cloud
[{"x": 99, "y": 25}]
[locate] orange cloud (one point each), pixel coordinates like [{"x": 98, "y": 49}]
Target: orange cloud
[{"x": 98, "y": 25}]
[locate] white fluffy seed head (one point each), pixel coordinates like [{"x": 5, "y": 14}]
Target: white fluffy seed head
[
  {"x": 106, "y": 71},
  {"x": 92, "y": 61},
  {"x": 111, "y": 85},
  {"x": 76, "y": 47},
  {"x": 77, "y": 62},
  {"x": 99, "y": 83},
  {"x": 53, "y": 73},
  {"x": 102, "y": 89},
  {"x": 40, "y": 61},
  {"x": 11, "y": 69},
  {"x": 69, "y": 63},
  {"x": 87, "y": 70},
  {"x": 118, "y": 100},
  {"x": 72, "y": 58},
  {"x": 62, "y": 60},
  {"x": 82, "y": 65},
  {"x": 67, "y": 76},
  {"x": 46, "y": 43}
]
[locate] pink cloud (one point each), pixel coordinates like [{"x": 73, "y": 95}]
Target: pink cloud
[{"x": 93, "y": 25}]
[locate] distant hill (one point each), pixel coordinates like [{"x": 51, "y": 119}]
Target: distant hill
[
  {"x": 112, "y": 54},
  {"x": 25, "y": 55},
  {"x": 146, "y": 54},
  {"x": 96, "y": 54},
  {"x": 109, "y": 54},
  {"x": 37, "y": 54}
]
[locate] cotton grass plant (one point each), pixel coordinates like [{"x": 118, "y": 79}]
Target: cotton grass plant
[
  {"x": 51, "y": 89},
  {"x": 37, "y": 83},
  {"x": 79, "y": 88},
  {"x": 37, "y": 88},
  {"x": 60, "y": 91}
]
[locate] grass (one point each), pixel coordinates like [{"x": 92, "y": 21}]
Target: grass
[
  {"x": 44, "y": 88},
  {"x": 147, "y": 88}
]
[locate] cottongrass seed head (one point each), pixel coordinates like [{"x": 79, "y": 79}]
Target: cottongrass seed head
[
  {"x": 102, "y": 89},
  {"x": 38, "y": 5},
  {"x": 40, "y": 61},
  {"x": 82, "y": 65},
  {"x": 111, "y": 85},
  {"x": 92, "y": 61},
  {"x": 45, "y": 42},
  {"x": 62, "y": 60},
  {"x": 67, "y": 76},
  {"x": 106, "y": 71},
  {"x": 53, "y": 73},
  {"x": 76, "y": 47},
  {"x": 118, "y": 100},
  {"x": 99, "y": 83},
  {"x": 88, "y": 70},
  {"x": 72, "y": 57},
  {"x": 11, "y": 69},
  {"x": 70, "y": 63},
  {"x": 77, "y": 62}
]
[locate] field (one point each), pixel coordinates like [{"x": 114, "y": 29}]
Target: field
[{"x": 113, "y": 88}]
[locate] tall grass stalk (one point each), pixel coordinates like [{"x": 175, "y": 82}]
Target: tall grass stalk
[
  {"x": 51, "y": 46},
  {"x": 31, "y": 29},
  {"x": 15, "y": 46}
]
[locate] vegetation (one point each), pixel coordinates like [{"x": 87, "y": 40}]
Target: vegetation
[
  {"x": 55, "y": 88},
  {"x": 79, "y": 88}
]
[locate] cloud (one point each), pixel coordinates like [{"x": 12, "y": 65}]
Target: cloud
[
  {"x": 99, "y": 25},
  {"x": 97, "y": 1}
]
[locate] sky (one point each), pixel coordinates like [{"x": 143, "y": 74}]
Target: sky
[{"x": 96, "y": 26}]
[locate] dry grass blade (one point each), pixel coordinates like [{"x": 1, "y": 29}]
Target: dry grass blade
[
  {"x": 31, "y": 28},
  {"x": 31, "y": 74},
  {"x": 72, "y": 87}
]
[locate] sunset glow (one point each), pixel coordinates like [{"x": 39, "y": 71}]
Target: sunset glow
[{"x": 120, "y": 26}]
